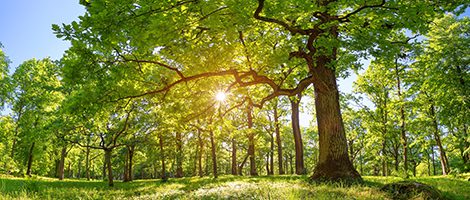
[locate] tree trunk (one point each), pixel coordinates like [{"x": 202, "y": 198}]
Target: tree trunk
[
  {"x": 333, "y": 163},
  {"x": 214, "y": 157},
  {"x": 107, "y": 156},
  {"x": 437, "y": 137},
  {"x": 251, "y": 142},
  {"x": 278, "y": 139},
  {"x": 267, "y": 165},
  {"x": 179, "y": 155},
  {"x": 240, "y": 168},
  {"x": 87, "y": 164},
  {"x": 162, "y": 153},
  {"x": 126, "y": 166},
  {"x": 433, "y": 161},
  {"x": 271, "y": 155},
  {"x": 384, "y": 135},
  {"x": 299, "y": 150},
  {"x": 201, "y": 150},
  {"x": 104, "y": 169},
  {"x": 234, "y": 157},
  {"x": 30, "y": 159},
  {"x": 131, "y": 162},
  {"x": 63, "y": 154},
  {"x": 402, "y": 118}
]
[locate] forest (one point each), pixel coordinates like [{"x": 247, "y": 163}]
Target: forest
[{"x": 215, "y": 90}]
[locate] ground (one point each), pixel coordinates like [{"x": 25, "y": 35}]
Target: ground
[{"x": 225, "y": 187}]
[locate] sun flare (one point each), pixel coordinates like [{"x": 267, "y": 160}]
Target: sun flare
[{"x": 220, "y": 96}]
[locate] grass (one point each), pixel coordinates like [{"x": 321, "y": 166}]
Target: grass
[{"x": 225, "y": 187}]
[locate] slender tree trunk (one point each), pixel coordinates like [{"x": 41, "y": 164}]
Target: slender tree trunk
[
  {"x": 131, "y": 162},
  {"x": 126, "y": 166},
  {"x": 179, "y": 155},
  {"x": 234, "y": 157},
  {"x": 240, "y": 168},
  {"x": 333, "y": 163},
  {"x": 278, "y": 139},
  {"x": 201, "y": 150},
  {"x": 384, "y": 135},
  {"x": 299, "y": 150},
  {"x": 251, "y": 142},
  {"x": 63, "y": 154},
  {"x": 402, "y": 119},
  {"x": 30, "y": 159},
  {"x": 433, "y": 161},
  {"x": 162, "y": 152},
  {"x": 396, "y": 156},
  {"x": 213, "y": 154},
  {"x": 437, "y": 137},
  {"x": 271, "y": 155},
  {"x": 107, "y": 156},
  {"x": 87, "y": 164},
  {"x": 267, "y": 164}
]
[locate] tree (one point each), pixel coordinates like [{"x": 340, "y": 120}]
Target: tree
[
  {"x": 34, "y": 95},
  {"x": 190, "y": 40}
]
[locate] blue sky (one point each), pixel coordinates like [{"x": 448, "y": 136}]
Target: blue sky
[
  {"x": 25, "y": 32},
  {"x": 25, "y": 27}
]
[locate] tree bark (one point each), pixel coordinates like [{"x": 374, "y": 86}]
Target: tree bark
[
  {"x": 130, "y": 163},
  {"x": 234, "y": 157},
  {"x": 240, "y": 168},
  {"x": 107, "y": 156},
  {"x": 162, "y": 153},
  {"x": 251, "y": 141},
  {"x": 213, "y": 154},
  {"x": 30, "y": 159},
  {"x": 63, "y": 154},
  {"x": 299, "y": 150},
  {"x": 437, "y": 137},
  {"x": 179, "y": 155},
  {"x": 384, "y": 134},
  {"x": 201, "y": 150},
  {"x": 271, "y": 155},
  {"x": 402, "y": 118},
  {"x": 278, "y": 139},
  {"x": 333, "y": 163},
  {"x": 87, "y": 164}
]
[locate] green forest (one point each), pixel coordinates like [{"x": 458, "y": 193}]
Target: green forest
[{"x": 203, "y": 99}]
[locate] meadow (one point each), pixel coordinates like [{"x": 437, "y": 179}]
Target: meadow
[{"x": 224, "y": 187}]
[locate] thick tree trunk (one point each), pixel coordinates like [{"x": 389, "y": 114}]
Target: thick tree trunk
[
  {"x": 333, "y": 163},
  {"x": 234, "y": 157},
  {"x": 278, "y": 139},
  {"x": 179, "y": 155},
  {"x": 63, "y": 154},
  {"x": 437, "y": 137},
  {"x": 162, "y": 153},
  {"x": 299, "y": 150},
  {"x": 213, "y": 154},
  {"x": 107, "y": 156},
  {"x": 30, "y": 159},
  {"x": 402, "y": 119},
  {"x": 251, "y": 141}
]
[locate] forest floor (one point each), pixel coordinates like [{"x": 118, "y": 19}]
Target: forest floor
[{"x": 224, "y": 187}]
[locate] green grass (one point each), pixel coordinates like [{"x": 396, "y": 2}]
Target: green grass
[{"x": 225, "y": 187}]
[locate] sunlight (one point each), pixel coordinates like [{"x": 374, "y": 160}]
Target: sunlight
[{"x": 220, "y": 96}]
